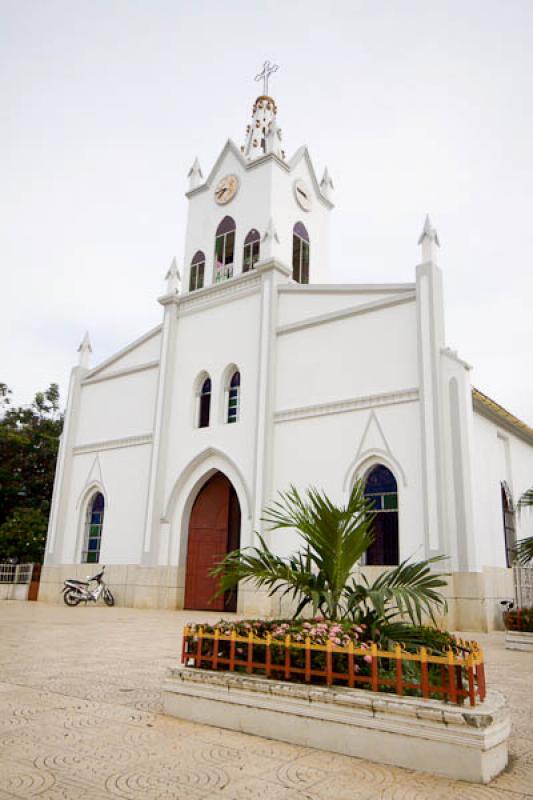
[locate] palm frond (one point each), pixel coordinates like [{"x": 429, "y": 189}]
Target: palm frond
[
  {"x": 525, "y": 500},
  {"x": 336, "y": 536},
  {"x": 411, "y": 588},
  {"x": 523, "y": 551}
]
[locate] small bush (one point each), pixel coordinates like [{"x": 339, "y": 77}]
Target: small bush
[{"x": 519, "y": 619}]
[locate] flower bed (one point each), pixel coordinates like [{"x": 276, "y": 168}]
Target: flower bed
[
  {"x": 333, "y": 653},
  {"x": 519, "y": 619}
]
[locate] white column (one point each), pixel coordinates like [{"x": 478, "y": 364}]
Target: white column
[
  {"x": 56, "y": 523},
  {"x": 430, "y": 312},
  {"x": 151, "y": 548}
]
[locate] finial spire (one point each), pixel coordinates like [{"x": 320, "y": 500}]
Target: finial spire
[
  {"x": 173, "y": 278},
  {"x": 265, "y": 74},
  {"x": 326, "y": 185},
  {"x": 195, "y": 175},
  {"x": 430, "y": 241},
  {"x": 85, "y": 351},
  {"x": 263, "y": 136}
]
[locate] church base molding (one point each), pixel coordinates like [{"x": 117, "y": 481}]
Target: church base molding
[
  {"x": 474, "y": 598},
  {"x": 459, "y": 742},
  {"x": 139, "y": 586}
]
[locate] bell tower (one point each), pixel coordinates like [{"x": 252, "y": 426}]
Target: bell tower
[{"x": 256, "y": 205}]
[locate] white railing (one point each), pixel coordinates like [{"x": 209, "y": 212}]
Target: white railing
[{"x": 523, "y": 586}]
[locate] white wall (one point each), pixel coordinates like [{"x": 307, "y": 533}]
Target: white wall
[
  {"x": 118, "y": 407},
  {"x": 498, "y": 456},
  {"x": 330, "y": 451},
  {"x": 122, "y": 476},
  {"x": 360, "y": 355}
]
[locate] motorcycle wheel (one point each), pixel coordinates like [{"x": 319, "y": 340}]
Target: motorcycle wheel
[
  {"x": 71, "y": 597},
  {"x": 109, "y": 600}
]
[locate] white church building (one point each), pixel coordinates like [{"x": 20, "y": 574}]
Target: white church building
[{"x": 262, "y": 373}]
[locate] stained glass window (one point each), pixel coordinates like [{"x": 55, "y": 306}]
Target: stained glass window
[
  {"x": 234, "y": 394},
  {"x": 300, "y": 253},
  {"x": 251, "y": 250},
  {"x": 196, "y": 280},
  {"x": 93, "y": 529},
  {"x": 382, "y": 490},
  {"x": 224, "y": 250},
  {"x": 204, "y": 404}
]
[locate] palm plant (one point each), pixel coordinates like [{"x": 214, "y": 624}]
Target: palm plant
[
  {"x": 524, "y": 548},
  {"x": 321, "y": 575}
]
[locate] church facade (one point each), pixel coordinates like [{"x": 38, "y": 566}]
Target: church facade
[{"x": 262, "y": 373}]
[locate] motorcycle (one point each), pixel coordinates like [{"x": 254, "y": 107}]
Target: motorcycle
[{"x": 75, "y": 592}]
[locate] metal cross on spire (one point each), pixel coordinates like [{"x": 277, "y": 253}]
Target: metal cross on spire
[{"x": 268, "y": 69}]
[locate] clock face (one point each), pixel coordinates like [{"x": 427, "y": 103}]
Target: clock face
[
  {"x": 226, "y": 189},
  {"x": 302, "y": 194}
]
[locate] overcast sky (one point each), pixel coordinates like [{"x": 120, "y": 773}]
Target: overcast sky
[{"x": 414, "y": 106}]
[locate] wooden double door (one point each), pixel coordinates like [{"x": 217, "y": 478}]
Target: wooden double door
[{"x": 214, "y": 531}]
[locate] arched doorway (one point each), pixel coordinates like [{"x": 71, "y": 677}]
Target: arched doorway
[
  {"x": 214, "y": 531},
  {"x": 381, "y": 488}
]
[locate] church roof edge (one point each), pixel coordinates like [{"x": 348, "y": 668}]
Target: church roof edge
[
  {"x": 497, "y": 413},
  {"x": 230, "y": 146},
  {"x": 124, "y": 351}
]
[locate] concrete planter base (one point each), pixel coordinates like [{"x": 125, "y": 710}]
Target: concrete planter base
[
  {"x": 459, "y": 742},
  {"x": 519, "y": 640}
]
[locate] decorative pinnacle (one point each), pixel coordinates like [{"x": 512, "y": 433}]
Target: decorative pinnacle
[
  {"x": 429, "y": 231},
  {"x": 85, "y": 344},
  {"x": 326, "y": 184},
  {"x": 265, "y": 74},
  {"x": 429, "y": 240},
  {"x": 195, "y": 175},
  {"x": 173, "y": 278},
  {"x": 85, "y": 351}
]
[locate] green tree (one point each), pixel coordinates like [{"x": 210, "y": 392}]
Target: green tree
[
  {"x": 29, "y": 440},
  {"x": 322, "y": 575}
]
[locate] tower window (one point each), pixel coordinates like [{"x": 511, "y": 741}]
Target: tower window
[
  {"x": 93, "y": 529},
  {"x": 251, "y": 250},
  {"x": 224, "y": 249},
  {"x": 196, "y": 280},
  {"x": 204, "y": 404},
  {"x": 234, "y": 397},
  {"x": 300, "y": 253}
]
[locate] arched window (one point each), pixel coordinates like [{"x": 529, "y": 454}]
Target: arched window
[
  {"x": 382, "y": 490},
  {"x": 204, "y": 404},
  {"x": 93, "y": 529},
  {"x": 300, "y": 253},
  {"x": 196, "y": 280},
  {"x": 251, "y": 250},
  {"x": 509, "y": 524},
  {"x": 234, "y": 397},
  {"x": 224, "y": 249}
]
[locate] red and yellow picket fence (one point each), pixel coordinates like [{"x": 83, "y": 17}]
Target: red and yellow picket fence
[{"x": 450, "y": 677}]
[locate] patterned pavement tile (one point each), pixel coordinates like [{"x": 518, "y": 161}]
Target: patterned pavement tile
[{"x": 80, "y": 719}]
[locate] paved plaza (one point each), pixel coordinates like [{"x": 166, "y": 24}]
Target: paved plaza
[{"x": 80, "y": 718}]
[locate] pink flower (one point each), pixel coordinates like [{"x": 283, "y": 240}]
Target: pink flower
[{"x": 368, "y": 659}]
